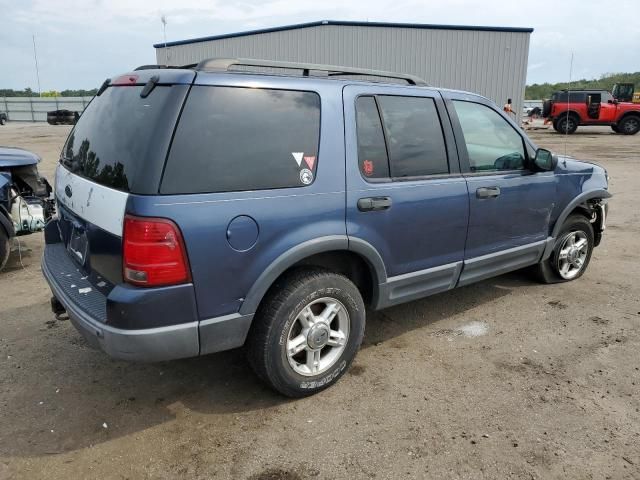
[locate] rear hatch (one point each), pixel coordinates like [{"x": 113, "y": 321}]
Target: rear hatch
[{"x": 117, "y": 148}]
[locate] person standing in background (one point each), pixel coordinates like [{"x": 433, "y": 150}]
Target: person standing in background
[{"x": 507, "y": 107}]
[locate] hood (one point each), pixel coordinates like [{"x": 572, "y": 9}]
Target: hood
[
  {"x": 17, "y": 157},
  {"x": 573, "y": 165}
]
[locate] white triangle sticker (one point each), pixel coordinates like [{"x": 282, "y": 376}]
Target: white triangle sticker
[{"x": 298, "y": 156}]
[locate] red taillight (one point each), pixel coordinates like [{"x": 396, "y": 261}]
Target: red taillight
[
  {"x": 153, "y": 252},
  {"x": 125, "y": 80}
]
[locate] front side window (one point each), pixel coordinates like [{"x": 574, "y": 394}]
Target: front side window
[
  {"x": 235, "y": 139},
  {"x": 492, "y": 143}
]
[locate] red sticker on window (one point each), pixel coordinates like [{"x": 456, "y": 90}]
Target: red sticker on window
[
  {"x": 367, "y": 167},
  {"x": 310, "y": 161}
]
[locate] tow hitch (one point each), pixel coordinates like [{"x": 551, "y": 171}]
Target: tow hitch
[{"x": 58, "y": 309}]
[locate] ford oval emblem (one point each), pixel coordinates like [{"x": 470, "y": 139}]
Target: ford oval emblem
[{"x": 68, "y": 192}]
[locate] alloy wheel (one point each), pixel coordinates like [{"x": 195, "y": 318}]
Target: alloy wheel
[
  {"x": 318, "y": 336},
  {"x": 572, "y": 255}
]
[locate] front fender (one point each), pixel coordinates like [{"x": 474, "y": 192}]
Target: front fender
[
  {"x": 583, "y": 197},
  {"x": 571, "y": 206}
]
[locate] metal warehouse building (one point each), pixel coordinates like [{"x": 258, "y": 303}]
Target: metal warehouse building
[{"x": 491, "y": 61}]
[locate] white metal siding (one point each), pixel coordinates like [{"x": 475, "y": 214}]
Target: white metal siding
[{"x": 491, "y": 63}]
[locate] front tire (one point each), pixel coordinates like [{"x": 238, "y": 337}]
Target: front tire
[
  {"x": 571, "y": 252},
  {"x": 307, "y": 332}
]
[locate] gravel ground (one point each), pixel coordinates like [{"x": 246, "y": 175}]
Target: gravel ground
[{"x": 503, "y": 379}]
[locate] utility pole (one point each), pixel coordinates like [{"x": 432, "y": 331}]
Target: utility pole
[
  {"x": 35, "y": 57},
  {"x": 163, "y": 19}
]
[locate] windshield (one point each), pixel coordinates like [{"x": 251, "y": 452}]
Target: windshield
[{"x": 121, "y": 139}]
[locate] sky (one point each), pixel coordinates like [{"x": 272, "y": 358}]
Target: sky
[{"x": 82, "y": 42}]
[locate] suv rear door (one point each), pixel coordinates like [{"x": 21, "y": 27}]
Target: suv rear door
[
  {"x": 116, "y": 149},
  {"x": 405, "y": 194},
  {"x": 510, "y": 205}
]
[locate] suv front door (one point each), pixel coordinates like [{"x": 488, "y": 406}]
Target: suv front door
[
  {"x": 406, "y": 197},
  {"x": 510, "y": 204}
]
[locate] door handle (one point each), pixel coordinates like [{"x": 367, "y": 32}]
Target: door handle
[
  {"x": 372, "y": 204},
  {"x": 488, "y": 192}
]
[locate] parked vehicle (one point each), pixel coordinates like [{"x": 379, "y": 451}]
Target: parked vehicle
[
  {"x": 3, "y": 118},
  {"x": 625, "y": 92},
  {"x": 569, "y": 109},
  {"x": 62, "y": 117},
  {"x": 26, "y": 202},
  {"x": 203, "y": 209}
]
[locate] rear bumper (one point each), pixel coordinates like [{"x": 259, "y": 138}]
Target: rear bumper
[
  {"x": 149, "y": 344},
  {"x": 145, "y": 324}
]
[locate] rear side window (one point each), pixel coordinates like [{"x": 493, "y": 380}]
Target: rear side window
[
  {"x": 571, "y": 97},
  {"x": 399, "y": 137},
  {"x": 372, "y": 151},
  {"x": 233, "y": 139}
]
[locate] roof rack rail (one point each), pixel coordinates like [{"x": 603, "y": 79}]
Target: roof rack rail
[
  {"x": 224, "y": 64},
  {"x": 159, "y": 67}
]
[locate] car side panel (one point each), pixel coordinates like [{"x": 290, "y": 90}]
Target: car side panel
[{"x": 285, "y": 217}]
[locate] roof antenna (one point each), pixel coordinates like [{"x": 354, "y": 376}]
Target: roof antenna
[
  {"x": 163, "y": 19},
  {"x": 566, "y": 124}
]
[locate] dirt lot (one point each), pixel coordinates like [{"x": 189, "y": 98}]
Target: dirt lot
[{"x": 503, "y": 379}]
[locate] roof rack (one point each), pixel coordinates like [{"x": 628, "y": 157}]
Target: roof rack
[
  {"x": 156, "y": 67},
  {"x": 224, "y": 65}
]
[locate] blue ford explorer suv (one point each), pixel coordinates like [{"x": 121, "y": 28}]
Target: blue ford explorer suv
[{"x": 266, "y": 204}]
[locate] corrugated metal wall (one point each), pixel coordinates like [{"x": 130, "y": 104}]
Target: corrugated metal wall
[{"x": 492, "y": 63}]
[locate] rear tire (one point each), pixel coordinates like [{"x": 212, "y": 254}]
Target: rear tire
[
  {"x": 2, "y": 121},
  {"x": 629, "y": 125},
  {"x": 571, "y": 253},
  {"x": 307, "y": 332},
  {"x": 567, "y": 124},
  {"x": 4, "y": 248}
]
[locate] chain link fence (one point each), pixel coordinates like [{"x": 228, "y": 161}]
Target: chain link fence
[{"x": 34, "y": 109}]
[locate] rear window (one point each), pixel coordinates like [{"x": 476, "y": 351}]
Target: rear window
[
  {"x": 234, "y": 139},
  {"x": 121, "y": 139}
]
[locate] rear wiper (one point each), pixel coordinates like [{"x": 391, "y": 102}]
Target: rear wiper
[
  {"x": 103, "y": 87},
  {"x": 149, "y": 86}
]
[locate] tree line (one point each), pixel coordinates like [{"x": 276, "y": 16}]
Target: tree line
[
  {"x": 537, "y": 91},
  {"x": 27, "y": 92},
  {"x": 540, "y": 91}
]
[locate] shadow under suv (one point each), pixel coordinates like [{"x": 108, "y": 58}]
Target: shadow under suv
[{"x": 202, "y": 209}]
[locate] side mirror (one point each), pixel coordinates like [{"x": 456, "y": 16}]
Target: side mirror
[{"x": 545, "y": 160}]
